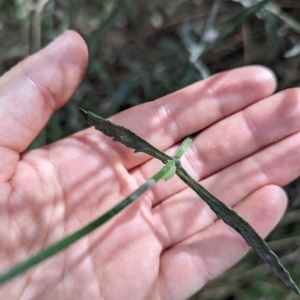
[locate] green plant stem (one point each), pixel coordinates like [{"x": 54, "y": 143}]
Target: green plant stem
[
  {"x": 64, "y": 243},
  {"x": 165, "y": 173}
]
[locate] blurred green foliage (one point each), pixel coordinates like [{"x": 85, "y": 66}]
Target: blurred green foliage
[{"x": 142, "y": 50}]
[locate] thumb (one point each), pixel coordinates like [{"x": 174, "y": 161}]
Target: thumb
[{"x": 33, "y": 90}]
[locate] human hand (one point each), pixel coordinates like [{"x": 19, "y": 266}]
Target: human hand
[{"x": 168, "y": 244}]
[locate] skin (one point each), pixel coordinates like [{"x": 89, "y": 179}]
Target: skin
[{"x": 168, "y": 244}]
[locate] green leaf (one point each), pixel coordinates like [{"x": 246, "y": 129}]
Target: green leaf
[
  {"x": 186, "y": 143},
  {"x": 171, "y": 172},
  {"x": 124, "y": 136},
  {"x": 230, "y": 217}
]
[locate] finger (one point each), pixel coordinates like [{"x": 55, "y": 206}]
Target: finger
[
  {"x": 171, "y": 118},
  {"x": 33, "y": 90},
  {"x": 245, "y": 132},
  {"x": 234, "y": 138},
  {"x": 183, "y": 214},
  {"x": 189, "y": 265}
]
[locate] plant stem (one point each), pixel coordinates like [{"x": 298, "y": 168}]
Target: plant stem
[
  {"x": 165, "y": 173},
  {"x": 69, "y": 240}
]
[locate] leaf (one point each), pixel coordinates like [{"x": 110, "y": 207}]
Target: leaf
[
  {"x": 124, "y": 136},
  {"x": 230, "y": 217},
  {"x": 171, "y": 172},
  {"x": 185, "y": 144}
]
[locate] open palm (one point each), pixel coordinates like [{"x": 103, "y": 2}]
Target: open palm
[{"x": 168, "y": 244}]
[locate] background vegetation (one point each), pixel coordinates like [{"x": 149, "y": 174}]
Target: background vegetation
[{"x": 141, "y": 50}]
